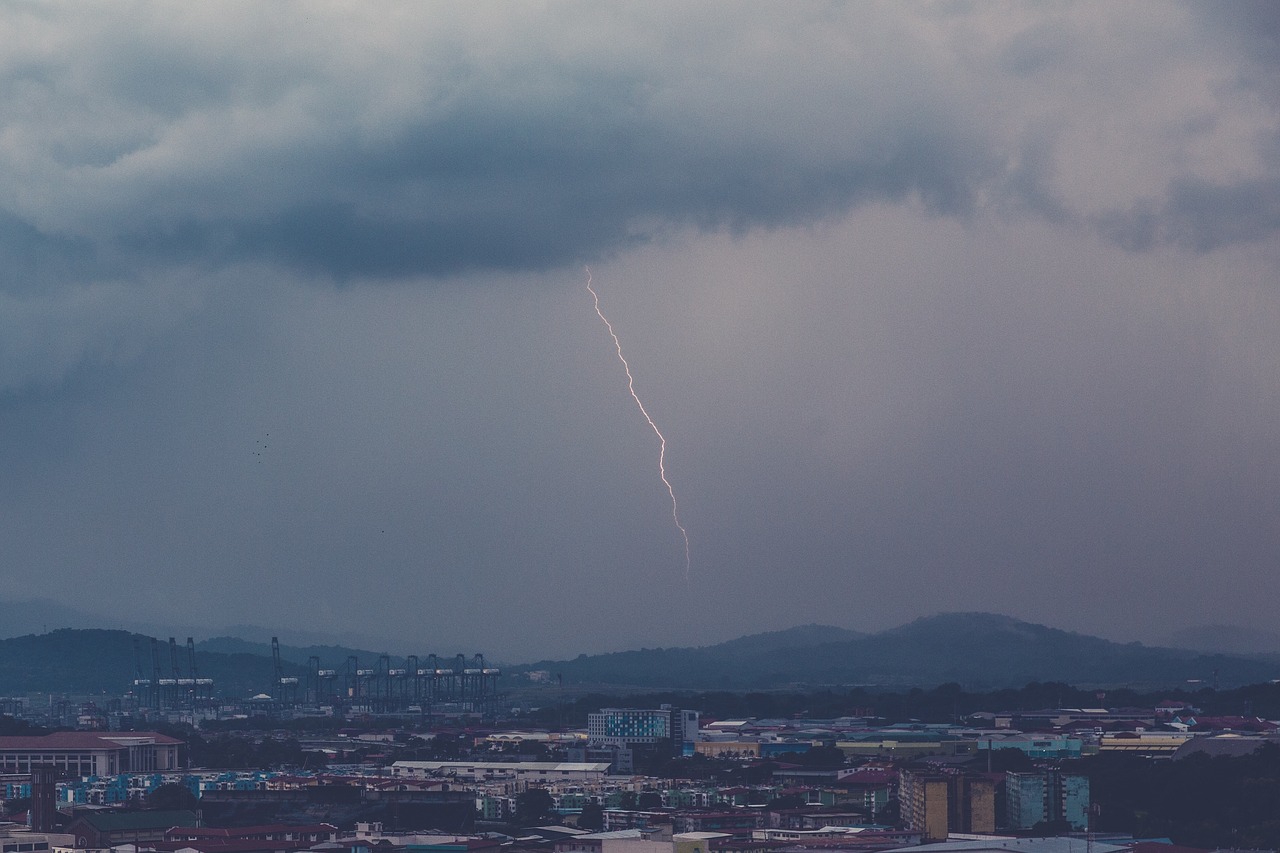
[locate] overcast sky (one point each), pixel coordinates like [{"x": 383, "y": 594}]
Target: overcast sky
[{"x": 957, "y": 306}]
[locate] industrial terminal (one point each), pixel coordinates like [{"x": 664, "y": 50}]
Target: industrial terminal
[{"x": 179, "y": 683}]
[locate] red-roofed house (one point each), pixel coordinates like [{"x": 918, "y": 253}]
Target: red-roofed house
[{"x": 91, "y": 753}]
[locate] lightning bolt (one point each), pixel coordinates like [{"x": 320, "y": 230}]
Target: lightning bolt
[{"x": 662, "y": 441}]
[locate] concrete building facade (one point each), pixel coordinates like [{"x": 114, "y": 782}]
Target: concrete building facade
[
  {"x": 630, "y": 727},
  {"x": 91, "y": 753},
  {"x": 524, "y": 772},
  {"x": 923, "y": 800},
  {"x": 937, "y": 804},
  {"x": 1032, "y": 798}
]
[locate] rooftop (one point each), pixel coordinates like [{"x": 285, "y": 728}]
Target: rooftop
[
  {"x": 245, "y": 831},
  {"x": 117, "y": 821},
  {"x": 1004, "y": 844},
  {"x": 557, "y": 766},
  {"x": 85, "y": 740}
]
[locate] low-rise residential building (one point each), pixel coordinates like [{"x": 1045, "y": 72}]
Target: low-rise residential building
[
  {"x": 524, "y": 772},
  {"x": 623, "y": 819},
  {"x": 732, "y": 821},
  {"x": 869, "y": 788}
]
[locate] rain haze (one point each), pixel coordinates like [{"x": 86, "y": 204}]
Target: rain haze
[{"x": 939, "y": 306}]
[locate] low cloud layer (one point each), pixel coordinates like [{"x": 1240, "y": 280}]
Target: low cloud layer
[
  {"x": 358, "y": 144},
  {"x": 353, "y": 143}
]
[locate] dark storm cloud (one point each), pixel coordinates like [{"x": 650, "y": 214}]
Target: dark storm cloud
[
  {"x": 154, "y": 152},
  {"x": 525, "y": 141},
  {"x": 517, "y": 156},
  {"x": 590, "y": 173},
  {"x": 1200, "y": 216},
  {"x": 31, "y": 260},
  {"x": 522, "y": 209}
]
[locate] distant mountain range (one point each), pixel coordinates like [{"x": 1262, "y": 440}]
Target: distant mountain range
[
  {"x": 39, "y": 616},
  {"x": 95, "y": 660},
  {"x": 331, "y": 656},
  {"x": 977, "y": 650},
  {"x": 1226, "y": 639}
]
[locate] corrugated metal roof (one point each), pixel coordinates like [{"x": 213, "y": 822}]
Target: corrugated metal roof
[{"x": 118, "y": 821}]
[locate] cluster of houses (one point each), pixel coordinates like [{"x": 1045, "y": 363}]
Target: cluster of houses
[{"x": 891, "y": 787}]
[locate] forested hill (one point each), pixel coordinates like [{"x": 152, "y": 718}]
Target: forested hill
[
  {"x": 72, "y": 660},
  {"x": 978, "y": 650},
  {"x": 331, "y": 657}
]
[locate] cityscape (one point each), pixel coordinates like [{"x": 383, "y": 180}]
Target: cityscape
[
  {"x": 431, "y": 754},
  {"x": 641, "y": 426}
]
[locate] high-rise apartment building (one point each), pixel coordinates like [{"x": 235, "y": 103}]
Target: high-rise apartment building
[
  {"x": 936, "y": 804},
  {"x": 922, "y": 797},
  {"x": 1032, "y": 798}
]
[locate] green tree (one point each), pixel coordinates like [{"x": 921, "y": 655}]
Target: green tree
[
  {"x": 787, "y": 801},
  {"x": 535, "y": 750},
  {"x": 592, "y": 817},
  {"x": 12, "y": 726},
  {"x": 16, "y": 806},
  {"x": 649, "y": 800},
  {"x": 172, "y": 796},
  {"x": 694, "y": 767},
  {"x": 533, "y": 806},
  {"x": 824, "y": 757},
  {"x": 1050, "y": 828},
  {"x": 1005, "y": 760}
]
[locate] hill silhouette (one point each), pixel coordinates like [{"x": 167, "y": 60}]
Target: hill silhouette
[
  {"x": 979, "y": 650},
  {"x": 95, "y": 660},
  {"x": 1228, "y": 639},
  {"x": 331, "y": 657}
]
